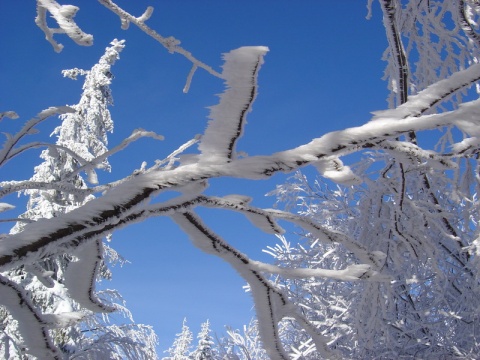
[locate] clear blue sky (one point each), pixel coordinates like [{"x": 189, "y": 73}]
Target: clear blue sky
[{"x": 323, "y": 73}]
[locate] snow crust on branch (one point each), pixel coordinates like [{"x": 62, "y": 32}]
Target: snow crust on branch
[
  {"x": 136, "y": 190},
  {"x": 9, "y": 149},
  {"x": 81, "y": 276},
  {"x": 351, "y": 273},
  {"x": 170, "y": 43},
  {"x": 228, "y": 118},
  {"x": 33, "y": 325},
  {"x": 271, "y": 304},
  {"x": 427, "y": 98},
  {"x": 63, "y": 15}
]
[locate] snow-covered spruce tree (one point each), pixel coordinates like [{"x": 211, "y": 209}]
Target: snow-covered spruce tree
[
  {"x": 180, "y": 349},
  {"x": 414, "y": 196},
  {"x": 81, "y": 145},
  {"x": 206, "y": 346},
  {"x": 235, "y": 345},
  {"x": 423, "y": 218},
  {"x": 243, "y": 344}
]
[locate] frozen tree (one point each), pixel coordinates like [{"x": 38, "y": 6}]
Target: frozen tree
[
  {"x": 81, "y": 138},
  {"x": 406, "y": 236},
  {"x": 205, "y": 348},
  {"x": 422, "y": 219},
  {"x": 243, "y": 344},
  {"x": 182, "y": 344}
]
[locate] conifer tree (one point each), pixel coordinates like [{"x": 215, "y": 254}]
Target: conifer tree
[
  {"x": 205, "y": 349},
  {"x": 81, "y": 142},
  {"x": 180, "y": 349}
]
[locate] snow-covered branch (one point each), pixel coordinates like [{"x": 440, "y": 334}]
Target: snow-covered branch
[
  {"x": 102, "y": 215},
  {"x": 136, "y": 135},
  {"x": 271, "y": 304},
  {"x": 81, "y": 275},
  {"x": 228, "y": 118},
  {"x": 9, "y": 151},
  {"x": 397, "y": 50},
  {"x": 63, "y": 15},
  {"x": 170, "y": 43},
  {"x": 9, "y": 187},
  {"x": 33, "y": 325}
]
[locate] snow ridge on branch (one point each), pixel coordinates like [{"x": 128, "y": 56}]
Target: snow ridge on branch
[
  {"x": 33, "y": 324},
  {"x": 63, "y": 15},
  {"x": 81, "y": 276},
  {"x": 228, "y": 118},
  {"x": 170, "y": 43},
  {"x": 271, "y": 304}
]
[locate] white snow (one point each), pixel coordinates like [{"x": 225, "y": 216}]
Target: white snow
[
  {"x": 228, "y": 118},
  {"x": 63, "y": 14},
  {"x": 32, "y": 325},
  {"x": 81, "y": 275},
  {"x": 5, "y": 207}
]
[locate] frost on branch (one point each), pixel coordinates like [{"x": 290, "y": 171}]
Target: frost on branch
[
  {"x": 63, "y": 15},
  {"x": 170, "y": 43},
  {"x": 335, "y": 170},
  {"x": 271, "y": 304},
  {"x": 8, "y": 114},
  {"x": 228, "y": 118},
  {"x": 33, "y": 326},
  {"x": 11, "y": 148},
  {"x": 6, "y": 207},
  {"x": 416, "y": 211},
  {"x": 81, "y": 275}
]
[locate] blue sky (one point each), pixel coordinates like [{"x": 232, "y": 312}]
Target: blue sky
[{"x": 323, "y": 73}]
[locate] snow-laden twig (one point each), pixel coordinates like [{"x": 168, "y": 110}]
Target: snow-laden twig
[
  {"x": 5, "y": 207},
  {"x": 228, "y": 118},
  {"x": 186, "y": 88},
  {"x": 165, "y": 164},
  {"x": 13, "y": 220},
  {"x": 170, "y": 43},
  {"x": 394, "y": 38},
  {"x": 334, "y": 169},
  {"x": 136, "y": 135},
  {"x": 28, "y": 129},
  {"x": 81, "y": 275},
  {"x": 271, "y": 304},
  {"x": 410, "y": 153},
  {"x": 464, "y": 21},
  {"x": 351, "y": 273},
  {"x": 435, "y": 93},
  {"x": 33, "y": 326},
  {"x": 8, "y": 114},
  {"x": 63, "y": 15},
  {"x": 33, "y": 145},
  {"x": 323, "y": 234},
  {"x": 9, "y": 187}
]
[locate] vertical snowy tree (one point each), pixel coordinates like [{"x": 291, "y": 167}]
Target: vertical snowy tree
[
  {"x": 180, "y": 349},
  {"x": 205, "y": 348},
  {"x": 243, "y": 344},
  {"x": 81, "y": 147}
]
